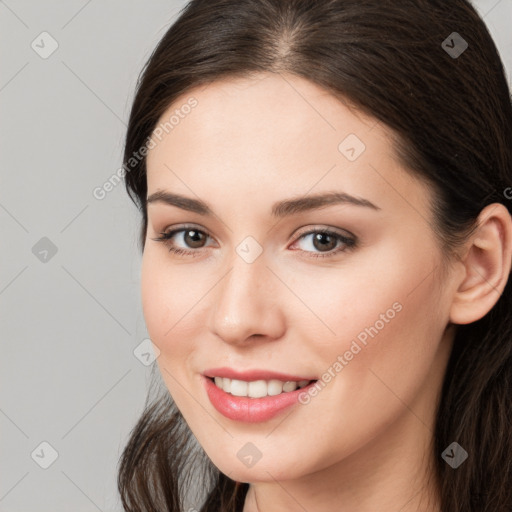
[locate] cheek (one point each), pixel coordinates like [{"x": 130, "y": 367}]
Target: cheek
[
  {"x": 175, "y": 304},
  {"x": 384, "y": 315},
  {"x": 373, "y": 290},
  {"x": 166, "y": 302},
  {"x": 163, "y": 305},
  {"x": 155, "y": 295}
]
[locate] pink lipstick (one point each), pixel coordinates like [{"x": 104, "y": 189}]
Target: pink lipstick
[{"x": 248, "y": 409}]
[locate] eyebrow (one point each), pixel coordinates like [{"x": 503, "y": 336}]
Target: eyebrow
[{"x": 280, "y": 209}]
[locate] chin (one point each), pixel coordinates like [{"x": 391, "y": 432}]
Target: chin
[{"x": 262, "y": 471}]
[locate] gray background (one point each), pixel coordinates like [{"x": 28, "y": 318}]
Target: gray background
[{"x": 70, "y": 321}]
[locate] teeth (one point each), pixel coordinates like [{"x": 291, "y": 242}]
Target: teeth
[
  {"x": 257, "y": 388},
  {"x": 239, "y": 388},
  {"x": 274, "y": 387}
]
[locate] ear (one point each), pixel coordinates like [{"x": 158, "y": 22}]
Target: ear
[{"x": 487, "y": 263}]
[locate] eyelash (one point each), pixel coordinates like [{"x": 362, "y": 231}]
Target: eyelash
[{"x": 350, "y": 243}]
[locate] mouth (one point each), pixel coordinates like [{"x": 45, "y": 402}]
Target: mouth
[
  {"x": 254, "y": 401},
  {"x": 258, "y": 388}
]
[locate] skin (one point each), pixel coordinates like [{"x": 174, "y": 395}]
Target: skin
[{"x": 363, "y": 443}]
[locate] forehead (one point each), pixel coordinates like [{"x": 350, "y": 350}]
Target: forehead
[
  {"x": 267, "y": 108},
  {"x": 279, "y": 135}
]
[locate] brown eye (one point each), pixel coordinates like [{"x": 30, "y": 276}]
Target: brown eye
[
  {"x": 324, "y": 242},
  {"x": 194, "y": 238}
]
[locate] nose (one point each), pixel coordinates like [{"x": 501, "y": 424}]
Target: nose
[{"x": 246, "y": 303}]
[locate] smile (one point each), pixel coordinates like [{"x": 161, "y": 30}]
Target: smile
[
  {"x": 253, "y": 401},
  {"x": 258, "y": 388}
]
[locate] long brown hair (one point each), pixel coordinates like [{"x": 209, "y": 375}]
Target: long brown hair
[{"x": 452, "y": 116}]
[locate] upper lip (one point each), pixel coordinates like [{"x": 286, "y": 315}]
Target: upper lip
[{"x": 252, "y": 375}]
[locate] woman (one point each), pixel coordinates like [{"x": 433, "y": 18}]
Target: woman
[{"x": 327, "y": 244}]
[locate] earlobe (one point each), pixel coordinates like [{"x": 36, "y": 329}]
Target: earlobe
[{"x": 486, "y": 263}]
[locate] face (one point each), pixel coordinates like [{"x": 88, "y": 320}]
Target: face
[{"x": 349, "y": 294}]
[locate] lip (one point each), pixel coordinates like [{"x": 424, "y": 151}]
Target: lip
[
  {"x": 251, "y": 410},
  {"x": 251, "y": 375}
]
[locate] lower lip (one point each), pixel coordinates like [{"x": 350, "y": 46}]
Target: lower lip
[{"x": 250, "y": 410}]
